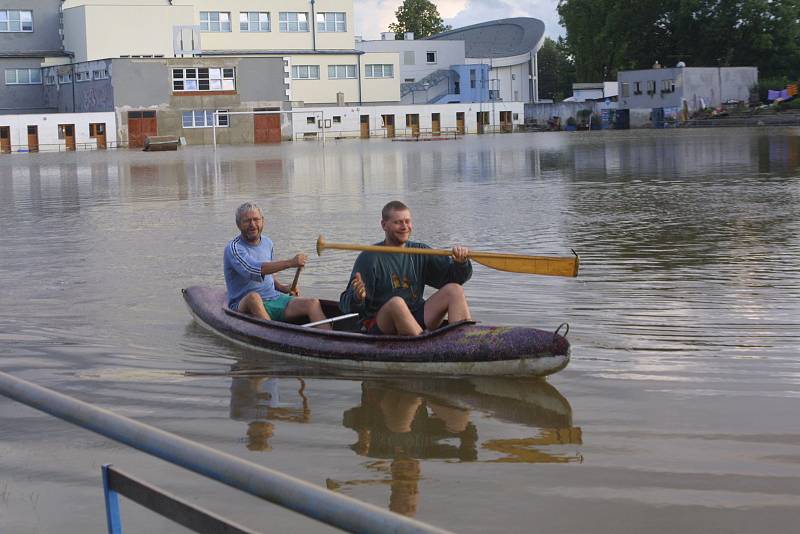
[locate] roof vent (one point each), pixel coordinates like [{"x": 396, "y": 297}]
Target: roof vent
[{"x": 387, "y": 36}]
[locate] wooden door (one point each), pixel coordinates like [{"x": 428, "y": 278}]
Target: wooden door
[
  {"x": 505, "y": 121},
  {"x": 5, "y": 139},
  {"x": 141, "y": 125},
  {"x": 364, "y": 126},
  {"x": 412, "y": 121},
  {"x": 436, "y": 125},
  {"x": 388, "y": 123},
  {"x": 460, "y": 122},
  {"x": 482, "y": 119},
  {"x": 97, "y": 131},
  {"x": 67, "y": 133},
  {"x": 266, "y": 128},
  {"x": 33, "y": 139}
]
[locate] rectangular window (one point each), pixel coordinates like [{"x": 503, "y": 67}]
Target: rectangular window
[
  {"x": 100, "y": 74},
  {"x": 651, "y": 87},
  {"x": 337, "y": 119},
  {"x": 341, "y": 72},
  {"x": 23, "y": 76},
  {"x": 293, "y": 21},
  {"x": 50, "y": 79},
  {"x": 637, "y": 88},
  {"x": 379, "y": 71},
  {"x": 204, "y": 118},
  {"x": 65, "y": 78},
  {"x": 472, "y": 75},
  {"x": 624, "y": 89},
  {"x": 204, "y": 79},
  {"x": 254, "y": 21},
  {"x": 430, "y": 57},
  {"x": 83, "y": 76},
  {"x": 311, "y": 120},
  {"x": 215, "y": 21},
  {"x": 331, "y": 22},
  {"x": 15, "y": 20},
  {"x": 305, "y": 72},
  {"x": 667, "y": 86}
]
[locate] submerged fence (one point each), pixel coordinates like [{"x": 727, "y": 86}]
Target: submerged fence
[{"x": 305, "y": 498}]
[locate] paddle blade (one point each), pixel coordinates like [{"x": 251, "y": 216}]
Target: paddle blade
[{"x": 545, "y": 265}]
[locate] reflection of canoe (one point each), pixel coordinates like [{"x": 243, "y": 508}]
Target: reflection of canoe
[{"x": 458, "y": 349}]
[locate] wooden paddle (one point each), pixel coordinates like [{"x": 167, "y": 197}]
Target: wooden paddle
[
  {"x": 296, "y": 278},
  {"x": 515, "y": 263}
]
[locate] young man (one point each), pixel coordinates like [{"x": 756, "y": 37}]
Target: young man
[
  {"x": 249, "y": 267},
  {"x": 386, "y": 289}
]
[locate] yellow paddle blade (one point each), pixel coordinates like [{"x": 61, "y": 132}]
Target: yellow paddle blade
[{"x": 544, "y": 265}]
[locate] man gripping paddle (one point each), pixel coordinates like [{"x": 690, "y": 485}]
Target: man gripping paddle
[{"x": 386, "y": 289}]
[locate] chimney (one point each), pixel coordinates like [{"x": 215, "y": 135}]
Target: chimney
[
  {"x": 387, "y": 36},
  {"x": 409, "y": 36}
]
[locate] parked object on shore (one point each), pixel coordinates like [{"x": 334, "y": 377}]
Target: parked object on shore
[
  {"x": 159, "y": 143},
  {"x": 458, "y": 349}
]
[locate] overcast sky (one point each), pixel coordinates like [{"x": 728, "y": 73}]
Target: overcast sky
[{"x": 374, "y": 16}]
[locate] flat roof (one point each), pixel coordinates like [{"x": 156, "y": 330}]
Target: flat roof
[{"x": 497, "y": 38}]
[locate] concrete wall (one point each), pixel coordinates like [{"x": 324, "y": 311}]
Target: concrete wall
[
  {"x": 412, "y": 55},
  {"x": 45, "y": 35},
  {"x": 48, "y": 130},
  {"x": 21, "y": 98},
  {"x": 99, "y": 29},
  {"x": 541, "y": 113},
  {"x": 349, "y": 118},
  {"x": 694, "y": 85},
  {"x": 480, "y": 93}
]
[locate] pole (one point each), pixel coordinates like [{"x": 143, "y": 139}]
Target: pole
[{"x": 312, "y": 501}]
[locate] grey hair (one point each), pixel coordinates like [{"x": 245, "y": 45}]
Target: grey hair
[{"x": 244, "y": 208}]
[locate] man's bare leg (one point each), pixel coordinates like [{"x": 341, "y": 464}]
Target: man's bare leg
[
  {"x": 303, "y": 307},
  {"x": 449, "y": 301},
  {"x": 394, "y": 317},
  {"x": 252, "y": 304}
]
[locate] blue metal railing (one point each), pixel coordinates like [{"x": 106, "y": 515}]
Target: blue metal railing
[{"x": 312, "y": 501}]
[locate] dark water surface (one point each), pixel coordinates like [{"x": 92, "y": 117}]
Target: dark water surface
[{"x": 678, "y": 413}]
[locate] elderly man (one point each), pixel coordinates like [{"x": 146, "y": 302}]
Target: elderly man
[
  {"x": 249, "y": 267},
  {"x": 386, "y": 289}
]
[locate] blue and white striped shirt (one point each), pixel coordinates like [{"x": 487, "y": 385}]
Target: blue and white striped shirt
[{"x": 242, "y": 266}]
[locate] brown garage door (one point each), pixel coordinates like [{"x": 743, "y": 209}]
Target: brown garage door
[
  {"x": 267, "y": 128},
  {"x": 141, "y": 124}
]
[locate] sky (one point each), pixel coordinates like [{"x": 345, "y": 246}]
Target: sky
[{"x": 374, "y": 16}]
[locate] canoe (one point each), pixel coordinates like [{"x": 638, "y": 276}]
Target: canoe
[{"x": 459, "y": 349}]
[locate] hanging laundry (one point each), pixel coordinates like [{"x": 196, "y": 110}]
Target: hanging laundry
[{"x": 792, "y": 89}]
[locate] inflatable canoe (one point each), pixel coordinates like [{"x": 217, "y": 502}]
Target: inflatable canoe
[{"x": 458, "y": 349}]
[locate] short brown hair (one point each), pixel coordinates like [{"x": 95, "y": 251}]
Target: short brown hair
[{"x": 394, "y": 205}]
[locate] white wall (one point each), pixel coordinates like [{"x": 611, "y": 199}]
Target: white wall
[
  {"x": 48, "y": 130},
  {"x": 447, "y": 53},
  {"x": 350, "y": 118}
]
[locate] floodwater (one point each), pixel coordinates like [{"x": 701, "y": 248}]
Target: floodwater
[{"x": 678, "y": 412}]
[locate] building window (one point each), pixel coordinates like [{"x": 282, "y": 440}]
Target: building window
[
  {"x": 430, "y": 57},
  {"x": 341, "y": 72},
  {"x": 254, "y": 21},
  {"x": 23, "y": 76},
  {"x": 293, "y": 21},
  {"x": 624, "y": 89},
  {"x": 204, "y": 118},
  {"x": 472, "y": 76},
  {"x": 215, "y": 21},
  {"x": 331, "y": 22},
  {"x": 83, "y": 76},
  {"x": 408, "y": 80},
  {"x": 305, "y": 72},
  {"x": 337, "y": 119},
  {"x": 667, "y": 86},
  {"x": 379, "y": 71},
  {"x": 651, "y": 87},
  {"x": 311, "y": 120},
  {"x": 204, "y": 79},
  {"x": 100, "y": 74},
  {"x": 637, "y": 88},
  {"x": 15, "y": 20},
  {"x": 50, "y": 79},
  {"x": 65, "y": 78}
]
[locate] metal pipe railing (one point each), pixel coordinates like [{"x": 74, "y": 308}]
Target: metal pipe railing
[{"x": 303, "y": 497}]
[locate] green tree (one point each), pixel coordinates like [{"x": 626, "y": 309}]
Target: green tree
[
  {"x": 556, "y": 70},
  {"x": 604, "y": 36},
  {"x": 418, "y": 16}
]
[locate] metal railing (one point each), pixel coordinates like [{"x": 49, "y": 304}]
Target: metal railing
[{"x": 303, "y": 497}]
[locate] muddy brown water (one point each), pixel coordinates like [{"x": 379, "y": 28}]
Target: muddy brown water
[{"x": 678, "y": 412}]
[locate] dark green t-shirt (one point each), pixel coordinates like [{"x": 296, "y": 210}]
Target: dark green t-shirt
[{"x": 404, "y": 275}]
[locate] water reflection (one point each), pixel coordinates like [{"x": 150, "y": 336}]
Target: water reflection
[{"x": 257, "y": 401}]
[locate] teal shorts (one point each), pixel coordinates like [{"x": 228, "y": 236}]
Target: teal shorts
[{"x": 277, "y": 308}]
